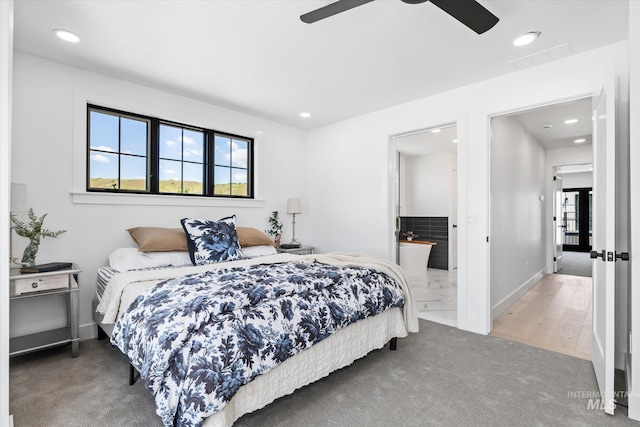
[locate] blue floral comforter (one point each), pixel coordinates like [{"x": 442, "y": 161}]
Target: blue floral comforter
[{"x": 196, "y": 339}]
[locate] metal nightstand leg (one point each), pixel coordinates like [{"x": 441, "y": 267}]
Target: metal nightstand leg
[{"x": 74, "y": 315}]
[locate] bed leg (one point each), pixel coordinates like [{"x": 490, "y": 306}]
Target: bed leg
[
  {"x": 101, "y": 334},
  {"x": 393, "y": 344},
  {"x": 132, "y": 374}
]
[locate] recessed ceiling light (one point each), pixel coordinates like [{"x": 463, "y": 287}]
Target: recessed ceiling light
[
  {"x": 455, "y": 141},
  {"x": 526, "y": 38},
  {"x": 580, "y": 140},
  {"x": 305, "y": 115},
  {"x": 570, "y": 121},
  {"x": 67, "y": 36},
  {"x": 435, "y": 130}
]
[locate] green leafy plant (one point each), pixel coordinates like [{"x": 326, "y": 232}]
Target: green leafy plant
[
  {"x": 276, "y": 225},
  {"x": 34, "y": 232}
]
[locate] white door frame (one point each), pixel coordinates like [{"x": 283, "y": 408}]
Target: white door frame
[{"x": 557, "y": 203}]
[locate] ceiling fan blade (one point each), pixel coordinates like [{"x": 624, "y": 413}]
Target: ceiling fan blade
[
  {"x": 331, "y": 9},
  {"x": 470, "y": 13}
]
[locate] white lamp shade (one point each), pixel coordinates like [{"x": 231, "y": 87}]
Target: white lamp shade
[
  {"x": 19, "y": 197},
  {"x": 293, "y": 206}
]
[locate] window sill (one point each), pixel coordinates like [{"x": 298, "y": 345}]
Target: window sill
[{"x": 87, "y": 198}]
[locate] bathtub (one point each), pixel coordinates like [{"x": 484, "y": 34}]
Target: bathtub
[{"x": 414, "y": 256}]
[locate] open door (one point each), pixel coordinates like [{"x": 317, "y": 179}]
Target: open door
[
  {"x": 453, "y": 222},
  {"x": 604, "y": 243},
  {"x": 558, "y": 223},
  {"x": 398, "y": 212}
]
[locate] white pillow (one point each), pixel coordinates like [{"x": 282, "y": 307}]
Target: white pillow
[
  {"x": 176, "y": 258},
  {"x": 124, "y": 259},
  {"x": 257, "y": 251}
]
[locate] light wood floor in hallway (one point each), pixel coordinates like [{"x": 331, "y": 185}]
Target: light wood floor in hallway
[{"x": 555, "y": 314}]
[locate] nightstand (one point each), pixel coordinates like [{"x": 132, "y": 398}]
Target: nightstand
[
  {"x": 39, "y": 285},
  {"x": 302, "y": 250}
]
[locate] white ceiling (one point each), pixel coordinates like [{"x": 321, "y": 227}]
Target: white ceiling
[
  {"x": 545, "y": 124},
  {"x": 537, "y": 121},
  {"x": 426, "y": 142},
  {"x": 258, "y": 57}
]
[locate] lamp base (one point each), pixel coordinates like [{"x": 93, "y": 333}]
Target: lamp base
[{"x": 290, "y": 245}]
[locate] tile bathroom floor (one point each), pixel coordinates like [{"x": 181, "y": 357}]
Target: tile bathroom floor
[{"x": 435, "y": 295}]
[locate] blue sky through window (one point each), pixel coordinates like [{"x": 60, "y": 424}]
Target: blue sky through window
[
  {"x": 232, "y": 154},
  {"x": 110, "y": 135}
]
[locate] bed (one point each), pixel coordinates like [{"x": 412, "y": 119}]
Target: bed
[{"x": 124, "y": 298}]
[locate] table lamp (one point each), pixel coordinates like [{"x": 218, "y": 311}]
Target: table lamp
[{"x": 293, "y": 208}]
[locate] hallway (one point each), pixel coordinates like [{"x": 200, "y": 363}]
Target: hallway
[{"x": 555, "y": 314}]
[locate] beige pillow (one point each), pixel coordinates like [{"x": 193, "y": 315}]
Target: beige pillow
[
  {"x": 249, "y": 236},
  {"x": 159, "y": 239}
]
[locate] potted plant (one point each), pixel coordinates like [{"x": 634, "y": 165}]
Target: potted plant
[
  {"x": 34, "y": 232},
  {"x": 275, "y": 228},
  {"x": 410, "y": 235}
]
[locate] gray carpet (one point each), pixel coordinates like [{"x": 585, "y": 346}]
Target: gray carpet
[
  {"x": 576, "y": 264},
  {"x": 441, "y": 376}
]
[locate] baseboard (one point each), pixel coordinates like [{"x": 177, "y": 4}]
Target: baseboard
[
  {"x": 633, "y": 400},
  {"x": 88, "y": 331},
  {"x": 627, "y": 371},
  {"x": 499, "y": 308}
]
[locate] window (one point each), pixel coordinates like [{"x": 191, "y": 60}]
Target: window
[{"x": 137, "y": 154}]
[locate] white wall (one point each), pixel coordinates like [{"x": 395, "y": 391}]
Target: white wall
[
  {"x": 6, "y": 60},
  {"x": 634, "y": 158},
  {"x": 577, "y": 180},
  {"x": 48, "y": 156},
  {"x": 517, "y": 213},
  {"x": 359, "y": 216},
  {"x": 428, "y": 184}
]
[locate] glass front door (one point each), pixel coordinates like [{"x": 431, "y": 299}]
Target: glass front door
[{"x": 577, "y": 219}]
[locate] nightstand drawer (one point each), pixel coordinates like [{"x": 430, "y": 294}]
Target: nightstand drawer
[
  {"x": 38, "y": 284},
  {"x": 302, "y": 250}
]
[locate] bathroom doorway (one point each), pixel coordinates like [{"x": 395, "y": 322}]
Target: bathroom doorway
[{"x": 426, "y": 219}]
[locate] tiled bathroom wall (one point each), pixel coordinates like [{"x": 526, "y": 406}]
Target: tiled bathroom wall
[{"x": 434, "y": 229}]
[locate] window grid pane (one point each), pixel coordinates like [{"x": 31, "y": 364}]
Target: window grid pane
[
  {"x": 118, "y": 152},
  {"x": 133, "y": 175},
  {"x": 170, "y": 176}
]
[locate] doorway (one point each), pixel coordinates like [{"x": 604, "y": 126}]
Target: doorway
[
  {"x": 426, "y": 219},
  {"x": 575, "y": 219},
  {"x": 530, "y": 302}
]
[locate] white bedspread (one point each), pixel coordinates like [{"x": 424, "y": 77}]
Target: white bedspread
[
  {"x": 337, "y": 351},
  {"x": 125, "y": 287},
  {"x": 113, "y": 294}
]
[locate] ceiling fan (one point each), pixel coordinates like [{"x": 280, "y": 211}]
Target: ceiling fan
[{"x": 468, "y": 12}]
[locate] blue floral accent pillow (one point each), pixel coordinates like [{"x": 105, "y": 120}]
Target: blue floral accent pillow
[{"x": 212, "y": 241}]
